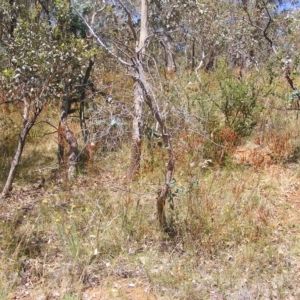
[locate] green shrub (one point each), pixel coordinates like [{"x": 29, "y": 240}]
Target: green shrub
[{"x": 237, "y": 101}]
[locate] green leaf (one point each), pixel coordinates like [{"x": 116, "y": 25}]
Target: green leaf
[
  {"x": 179, "y": 191},
  {"x": 8, "y": 72},
  {"x": 294, "y": 94},
  {"x": 171, "y": 183},
  {"x": 195, "y": 183}
]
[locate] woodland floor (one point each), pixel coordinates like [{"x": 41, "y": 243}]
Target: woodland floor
[{"x": 130, "y": 281}]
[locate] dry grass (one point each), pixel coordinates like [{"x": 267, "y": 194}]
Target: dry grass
[{"x": 234, "y": 224}]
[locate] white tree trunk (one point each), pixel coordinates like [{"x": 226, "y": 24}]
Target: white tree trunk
[
  {"x": 138, "y": 98},
  {"x": 137, "y": 131},
  {"x": 144, "y": 27}
]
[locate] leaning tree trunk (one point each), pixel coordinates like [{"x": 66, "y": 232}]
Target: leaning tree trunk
[
  {"x": 28, "y": 123},
  {"x": 66, "y": 136},
  {"x": 165, "y": 190}
]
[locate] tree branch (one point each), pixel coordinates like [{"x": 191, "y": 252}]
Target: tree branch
[
  {"x": 130, "y": 24},
  {"x": 265, "y": 30},
  {"x": 101, "y": 42}
]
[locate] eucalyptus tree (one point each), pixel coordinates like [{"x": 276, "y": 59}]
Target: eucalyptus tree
[
  {"x": 128, "y": 44},
  {"x": 257, "y": 29},
  {"x": 38, "y": 68}
]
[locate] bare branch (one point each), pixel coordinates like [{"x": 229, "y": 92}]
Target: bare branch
[
  {"x": 128, "y": 48},
  {"x": 201, "y": 63},
  {"x": 101, "y": 42},
  {"x": 130, "y": 24},
  {"x": 265, "y": 30},
  {"x": 48, "y": 123},
  {"x": 96, "y": 12}
]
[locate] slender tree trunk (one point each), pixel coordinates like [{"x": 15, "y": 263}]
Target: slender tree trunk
[
  {"x": 138, "y": 98},
  {"x": 27, "y": 125},
  {"x": 13, "y": 16},
  {"x": 142, "y": 93},
  {"x": 137, "y": 131},
  {"x": 84, "y": 129},
  {"x": 193, "y": 55},
  {"x": 66, "y": 136},
  {"x": 170, "y": 63},
  {"x": 164, "y": 191},
  {"x": 144, "y": 27}
]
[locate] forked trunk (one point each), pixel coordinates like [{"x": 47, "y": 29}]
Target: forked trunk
[{"x": 142, "y": 93}]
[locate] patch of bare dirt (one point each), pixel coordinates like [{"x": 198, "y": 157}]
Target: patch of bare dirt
[
  {"x": 112, "y": 288},
  {"x": 258, "y": 156}
]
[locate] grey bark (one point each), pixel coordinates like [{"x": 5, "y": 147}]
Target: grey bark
[
  {"x": 84, "y": 129},
  {"x": 66, "y": 136},
  {"x": 164, "y": 191},
  {"x": 142, "y": 93},
  {"x": 138, "y": 98},
  {"x": 170, "y": 63},
  {"x": 28, "y": 123},
  {"x": 137, "y": 131}
]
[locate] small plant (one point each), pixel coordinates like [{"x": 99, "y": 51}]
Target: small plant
[
  {"x": 225, "y": 141},
  {"x": 280, "y": 144},
  {"x": 238, "y": 103}
]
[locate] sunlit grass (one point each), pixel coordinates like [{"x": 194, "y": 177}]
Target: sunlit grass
[{"x": 232, "y": 234}]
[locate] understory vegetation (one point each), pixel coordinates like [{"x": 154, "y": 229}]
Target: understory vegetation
[
  {"x": 231, "y": 208},
  {"x": 149, "y": 150}
]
